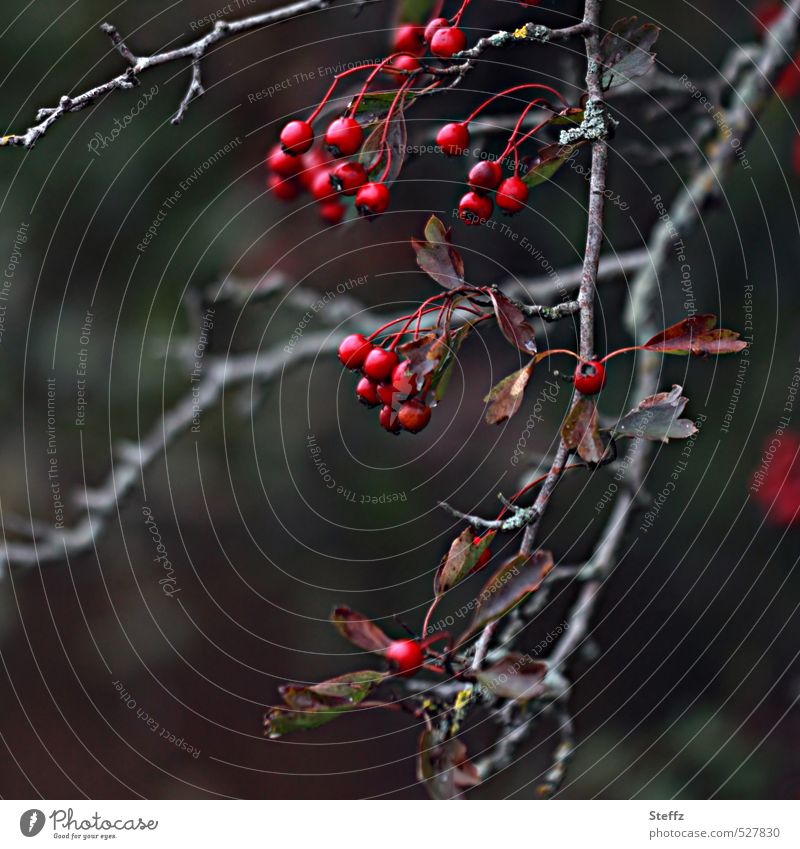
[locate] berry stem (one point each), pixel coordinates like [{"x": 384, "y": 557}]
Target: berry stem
[
  {"x": 623, "y": 351},
  {"x": 508, "y": 91},
  {"x": 456, "y": 19},
  {"x": 333, "y": 85}
]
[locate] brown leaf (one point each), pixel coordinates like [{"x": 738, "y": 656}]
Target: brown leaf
[
  {"x": 513, "y": 323},
  {"x": 513, "y": 581},
  {"x": 696, "y": 335},
  {"x": 356, "y": 628},
  {"x": 580, "y": 431},
  {"x": 505, "y": 398},
  {"x": 443, "y": 766},
  {"x": 656, "y": 418},
  {"x": 460, "y": 560},
  {"x": 625, "y": 51},
  {"x": 437, "y": 257},
  {"x": 516, "y": 676}
]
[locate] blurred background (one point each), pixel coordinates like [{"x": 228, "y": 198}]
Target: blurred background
[{"x": 122, "y": 677}]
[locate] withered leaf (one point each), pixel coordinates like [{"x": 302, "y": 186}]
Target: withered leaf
[
  {"x": 516, "y": 676},
  {"x": 437, "y": 257},
  {"x": 579, "y": 431},
  {"x": 461, "y": 559},
  {"x": 696, "y": 335},
  {"x": 443, "y": 766},
  {"x": 513, "y": 323},
  {"x": 359, "y": 630},
  {"x": 656, "y": 418},
  {"x": 625, "y": 51},
  {"x": 551, "y": 158},
  {"x": 505, "y": 398}
]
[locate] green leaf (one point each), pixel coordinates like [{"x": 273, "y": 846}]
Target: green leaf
[
  {"x": 571, "y": 116},
  {"x": 437, "y": 257},
  {"x": 416, "y": 11},
  {"x": 505, "y": 398},
  {"x": 461, "y": 559},
  {"x": 656, "y": 418},
  {"x": 517, "y": 578},
  {"x": 443, "y": 766},
  {"x": 551, "y": 158},
  {"x": 374, "y": 105},
  {"x": 625, "y": 51},
  {"x": 441, "y": 376},
  {"x": 311, "y": 706}
]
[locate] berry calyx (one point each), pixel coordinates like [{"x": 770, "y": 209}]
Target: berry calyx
[
  {"x": 474, "y": 208},
  {"x": 353, "y": 350},
  {"x": 453, "y": 139},
  {"x": 388, "y": 420},
  {"x": 348, "y": 177},
  {"x": 372, "y": 199},
  {"x": 282, "y": 189},
  {"x": 367, "y": 392},
  {"x": 590, "y": 376},
  {"x": 282, "y": 163},
  {"x": 433, "y": 26},
  {"x": 512, "y": 195},
  {"x": 379, "y": 364},
  {"x": 332, "y": 211},
  {"x": 297, "y": 137},
  {"x": 408, "y": 38},
  {"x": 321, "y": 188},
  {"x": 484, "y": 176},
  {"x": 406, "y": 656},
  {"x": 447, "y": 41},
  {"x": 402, "y": 381},
  {"x": 413, "y": 415},
  {"x": 344, "y": 136}
]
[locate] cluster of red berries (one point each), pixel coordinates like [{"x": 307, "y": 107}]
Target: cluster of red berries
[{"x": 386, "y": 383}]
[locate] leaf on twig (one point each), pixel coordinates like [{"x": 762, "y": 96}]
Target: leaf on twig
[
  {"x": 450, "y": 344},
  {"x": 570, "y": 115},
  {"x": 312, "y": 706},
  {"x": 359, "y": 630},
  {"x": 551, "y": 158},
  {"x": 579, "y": 431},
  {"x": 696, "y": 335},
  {"x": 513, "y": 323},
  {"x": 625, "y": 51},
  {"x": 461, "y": 559},
  {"x": 443, "y": 766},
  {"x": 514, "y": 580},
  {"x": 376, "y": 148},
  {"x": 656, "y": 418},
  {"x": 516, "y": 676},
  {"x": 505, "y": 398},
  {"x": 437, "y": 257}
]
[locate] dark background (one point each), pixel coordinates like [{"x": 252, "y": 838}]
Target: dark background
[{"x": 691, "y": 692}]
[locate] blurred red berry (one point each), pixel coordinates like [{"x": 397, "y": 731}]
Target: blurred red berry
[
  {"x": 414, "y": 415},
  {"x": 776, "y": 482},
  {"x": 367, "y": 392},
  {"x": 388, "y": 420},
  {"x": 283, "y": 189},
  {"x": 281, "y": 163},
  {"x": 321, "y": 188},
  {"x": 433, "y": 26},
  {"x": 332, "y": 211},
  {"x": 406, "y": 656},
  {"x": 402, "y": 380}
]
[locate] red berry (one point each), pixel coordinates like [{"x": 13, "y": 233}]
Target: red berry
[
  {"x": 282, "y": 189},
  {"x": 348, "y": 177},
  {"x": 353, "y": 350},
  {"x": 589, "y": 377},
  {"x": 344, "y": 136},
  {"x": 386, "y": 393},
  {"x": 433, "y": 26},
  {"x": 446, "y": 41},
  {"x": 332, "y": 211},
  {"x": 406, "y": 656},
  {"x": 297, "y": 137},
  {"x": 281, "y": 163},
  {"x": 372, "y": 199},
  {"x": 321, "y": 188},
  {"x": 408, "y": 39},
  {"x": 485, "y": 176},
  {"x": 367, "y": 392},
  {"x": 414, "y": 415},
  {"x": 405, "y": 63},
  {"x": 474, "y": 208},
  {"x": 388, "y": 420},
  {"x": 512, "y": 195},
  {"x": 402, "y": 381},
  {"x": 453, "y": 139},
  {"x": 379, "y": 364},
  {"x": 310, "y": 165}
]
